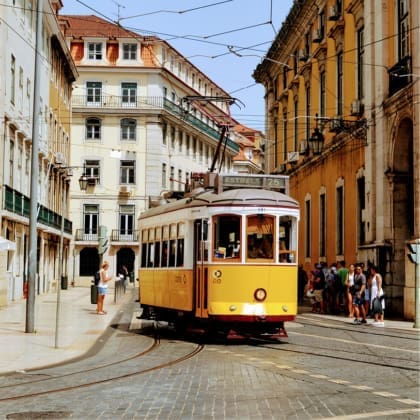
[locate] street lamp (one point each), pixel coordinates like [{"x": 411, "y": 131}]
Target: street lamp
[{"x": 316, "y": 141}]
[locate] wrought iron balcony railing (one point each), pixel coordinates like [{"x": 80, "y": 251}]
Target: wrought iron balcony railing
[
  {"x": 19, "y": 204},
  {"x": 129, "y": 235},
  {"x": 86, "y": 235},
  {"x": 147, "y": 103}
]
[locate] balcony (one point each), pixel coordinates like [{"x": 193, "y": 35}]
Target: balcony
[
  {"x": 19, "y": 204},
  {"x": 156, "y": 103},
  {"x": 82, "y": 236},
  {"x": 129, "y": 235},
  {"x": 400, "y": 75}
]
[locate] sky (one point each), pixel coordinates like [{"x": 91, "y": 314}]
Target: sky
[{"x": 206, "y": 32}]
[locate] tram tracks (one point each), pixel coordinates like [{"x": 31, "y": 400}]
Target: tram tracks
[{"x": 127, "y": 368}]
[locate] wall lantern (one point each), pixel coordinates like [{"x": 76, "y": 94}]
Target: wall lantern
[
  {"x": 316, "y": 141},
  {"x": 83, "y": 182}
]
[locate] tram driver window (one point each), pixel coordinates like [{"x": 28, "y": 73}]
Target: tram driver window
[{"x": 226, "y": 236}]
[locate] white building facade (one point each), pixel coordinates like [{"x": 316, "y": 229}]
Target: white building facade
[
  {"x": 18, "y": 24},
  {"x": 144, "y": 120}
]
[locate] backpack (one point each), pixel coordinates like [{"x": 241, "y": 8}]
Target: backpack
[{"x": 97, "y": 278}]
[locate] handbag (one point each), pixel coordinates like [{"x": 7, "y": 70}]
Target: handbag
[{"x": 377, "y": 306}]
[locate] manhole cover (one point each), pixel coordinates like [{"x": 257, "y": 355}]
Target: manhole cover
[{"x": 28, "y": 415}]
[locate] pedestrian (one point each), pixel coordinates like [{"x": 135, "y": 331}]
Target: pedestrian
[
  {"x": 302, "y": 282},
  {"x": 342, "y": 273},
  {"x": 359, "y": 296},
  {"x": 349, "y": 289},
  {"x": 318, "y": 283},
  {"x": 377, "y": 297},
  {"x": 123, "y": 274},
  {"x": 102, "y": 288}
]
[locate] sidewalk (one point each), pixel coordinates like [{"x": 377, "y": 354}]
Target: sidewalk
[
  {"x": 79, "y": 327},
  {"x": 305, "y": 311}
]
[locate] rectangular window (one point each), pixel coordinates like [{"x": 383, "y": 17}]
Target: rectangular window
[
  {"x": 12, "y": 78},
  {"x": 296, "y": 125},
  {"x": 403, "y": 29},
  {"x": 260, "y": 237},
  {"x": 93, "y": 93},
  {"x": 308, "y": 112},
  {"x": 284, "y": 137},
  {"x": 163, "y": 175},
  {"x": 128, "y": 129},
  {"x": 90, "y": 216},
  {"x": 92, "y": 169},
  {"x": 173, "y": 137},
  {"x": 93, "y": 129},
  {"x": 340, "y": 221},
  {"x": 322, "y": 226},
  {"x": 94, "y": 51},
  {"x": 308, "y": 228},
  {"x": 128, "y": 94},
  {"x": 322, "y": 93},
  {"x": 127, "y": 172},
  {"x": 227, "y": 237},
  {"x": 340, "y": 76},
  {"x": 126, "y": 221},
  {"x": 360, "y": 64},
  {"x": 171, "y": 178},
  {"x": 130, "y": 51}
]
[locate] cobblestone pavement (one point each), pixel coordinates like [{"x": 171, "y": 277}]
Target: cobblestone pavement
[{"x": 324, "y": 369}]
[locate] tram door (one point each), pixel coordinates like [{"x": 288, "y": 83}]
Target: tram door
[{"x": 200, "y": 267}]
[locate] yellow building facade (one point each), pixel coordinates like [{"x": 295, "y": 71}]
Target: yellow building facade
[{"x": 340, "y": 81}]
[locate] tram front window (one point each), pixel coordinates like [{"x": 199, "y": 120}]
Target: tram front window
[
  {"x": 226, "y": 237},
  {"x": 260, "y": 231},
  {"x": 287, "y": 239}
]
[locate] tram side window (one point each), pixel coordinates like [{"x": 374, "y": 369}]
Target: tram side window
[
  {"x": 143, "y": 255},
  {"x": 227, "y": 235},
  {"x": 260, "y": 234},
  {"x": 172, "y": 252},
  {"x": 150, "y": 254},
  {"x": 180, "y": 253},
  {"x": 164, "y": 254},
  {"x": 157, "y": 254},
  {"x": 287, "y": 239}
]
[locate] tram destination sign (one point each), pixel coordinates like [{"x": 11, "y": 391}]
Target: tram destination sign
[{"x": 269, "y": 182}]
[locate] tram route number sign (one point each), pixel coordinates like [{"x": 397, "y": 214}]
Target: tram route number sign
[{"x": 278, "y": 182}]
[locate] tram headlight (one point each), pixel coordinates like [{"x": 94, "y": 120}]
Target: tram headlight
[{"x": 260, "y": 294}]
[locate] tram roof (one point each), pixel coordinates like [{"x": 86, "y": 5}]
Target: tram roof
[{"x": 233, "y": 197}]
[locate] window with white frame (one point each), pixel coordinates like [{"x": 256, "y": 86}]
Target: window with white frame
[
  {"x": 128, "y": 129},
  {"x": 12, "y": 78},
  {"x": 126, "y": 219},
  {"x": 93, "y": 92},
  {"x": 90, "y": 218},
  {"x": 92, "y": 169},
  {"x": 127, "y": 172},
  {"x": 128, "y": 94},
  {"x": 129, "y": 51},
  {"x": 94, "y": 51},
  {"x": 163, "y": 175},
  {"x": 93, "y": 129}
]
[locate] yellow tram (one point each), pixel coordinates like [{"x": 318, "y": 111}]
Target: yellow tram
[{"x": 223, "y": 260}]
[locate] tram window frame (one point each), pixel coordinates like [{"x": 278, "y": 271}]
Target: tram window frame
[
  {"x": 260, "y": 244},
  {"x": 144, "y": 238},
  {"x": 227, "y": 232},
  {"x": 165, "y": 253},
  {"x": 150, "y": 254},
  {"x": 180, "y": 245},
  {"x": 287, "y": 239}
]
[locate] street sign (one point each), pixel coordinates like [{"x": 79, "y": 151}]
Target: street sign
[{"x": 414, "y": 252}]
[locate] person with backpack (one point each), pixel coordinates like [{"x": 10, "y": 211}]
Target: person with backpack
[{"x": 105, "y": 278}]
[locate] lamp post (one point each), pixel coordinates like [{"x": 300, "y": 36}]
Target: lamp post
[{"x": 83, "y": 182}]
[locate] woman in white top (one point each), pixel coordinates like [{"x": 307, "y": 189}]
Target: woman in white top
[
  {"x": 376, "y": 292},
  {"x": 349, "y": 284},
  {"x": 102, "y": 288}
]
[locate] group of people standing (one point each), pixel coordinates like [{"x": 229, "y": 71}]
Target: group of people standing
[{"x": 351, "y": 289}]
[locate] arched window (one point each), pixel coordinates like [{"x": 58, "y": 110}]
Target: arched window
[
  {"x": 93, "y": 129},
  {"x": 128, "y": 129}
]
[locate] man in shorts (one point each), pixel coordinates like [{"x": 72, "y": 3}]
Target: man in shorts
[{"x": 359, "y": 296}]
